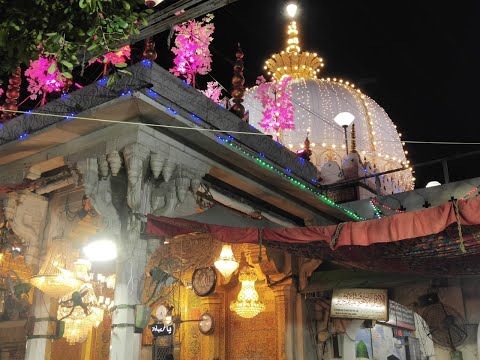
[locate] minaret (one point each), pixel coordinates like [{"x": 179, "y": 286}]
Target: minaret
[{"x": 291, "y": 62}]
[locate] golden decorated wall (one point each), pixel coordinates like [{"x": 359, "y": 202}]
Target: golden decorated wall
[
  {"x": 96, "y": 347},
  {"x": 254, "y": 338}
]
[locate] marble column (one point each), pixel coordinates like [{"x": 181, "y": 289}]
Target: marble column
[
  {"x": 125, "y": 343},
  {"x": 38, "y": 346}
]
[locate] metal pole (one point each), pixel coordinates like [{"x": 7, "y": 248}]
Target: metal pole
[
  {"x": 346, "y": 138},
  {"x": 446, "y": 176}
]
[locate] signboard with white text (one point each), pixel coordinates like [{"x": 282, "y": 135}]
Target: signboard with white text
[
  {"x": 367, "y": 304},
  {"x": 161, "y": 330}
]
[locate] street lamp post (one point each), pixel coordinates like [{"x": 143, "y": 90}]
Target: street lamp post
[{"x": 345, "y": 119}]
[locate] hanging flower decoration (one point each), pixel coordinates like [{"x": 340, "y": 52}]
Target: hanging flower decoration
[
  {"x": 44, "y": 77},
  {"x": 214, "y": 91},
  {"x": 278, "y": 109},
  {"x": 192, "y": 55},
  {"x": 117, "y": 58}
]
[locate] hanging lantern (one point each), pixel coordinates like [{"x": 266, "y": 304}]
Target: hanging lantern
[
  {"x": 247, "y": 304},
  {"x": 226, "y": 263},
  {"x": 53, "y": 278}
]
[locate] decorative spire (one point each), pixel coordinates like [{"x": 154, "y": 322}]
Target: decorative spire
[
  {"x": 353, "y": 144},
  {"x": 306, "y": 152},
  {"x": 291, "y": 62},
  {"x": 238, "y": 82},
  {"x": 12, "y": 94}
]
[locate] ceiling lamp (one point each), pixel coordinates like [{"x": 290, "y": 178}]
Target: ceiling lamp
[
  {"x": 53, "y": 278},
  {"x": 101, "y": 249},
  {"x": 226, "y": 263},
  {"x": 247, "y": 304}
]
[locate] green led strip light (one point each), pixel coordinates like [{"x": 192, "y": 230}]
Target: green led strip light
[{"x": 295, "y": 182}]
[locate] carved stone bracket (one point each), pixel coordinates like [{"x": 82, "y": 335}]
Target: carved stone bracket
[
  {"x": 135, "y": 156},
  {"x": 26, "y": 212},
  {"x": 100, "y": 194},
  {"x": 180, "y": 181}
]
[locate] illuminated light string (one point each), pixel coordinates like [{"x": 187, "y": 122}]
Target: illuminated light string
[
  {"x": 377, "y": 204},
  {"x": 471, "y": 192},
  {"x": 258, "y": 160},
  {"x": 284, "y": 173},
  {"x": 376, "y": 210}
]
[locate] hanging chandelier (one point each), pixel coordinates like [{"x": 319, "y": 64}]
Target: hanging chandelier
[
  {"x": 226, "y": 263},
  {"x": 53, "y": 278},
  {"x": 247, "y": 304},
  {"x": 80, "y": 311}
]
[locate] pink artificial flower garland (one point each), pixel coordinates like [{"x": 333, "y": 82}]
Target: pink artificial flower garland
[
  {"x": 278, "y": 110},
  {"x": 214, "y": 91},
  {"x": 192, "y": 55},
  {"x": 40, "y": 81}
]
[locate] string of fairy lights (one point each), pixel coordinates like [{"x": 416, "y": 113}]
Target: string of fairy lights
[
  {"x": 381, "y": 210},
  {"x": 229, "y": 140}
]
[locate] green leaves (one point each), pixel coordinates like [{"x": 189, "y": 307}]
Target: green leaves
[
  {"x": 52, "y": 68},
  {"x": 67, "y": 64},
  {"x": 65, "y": 30},
  {"x": 67, "y": 74}
]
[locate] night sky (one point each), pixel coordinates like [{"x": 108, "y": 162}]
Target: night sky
[{"x": 418, "y": 59}]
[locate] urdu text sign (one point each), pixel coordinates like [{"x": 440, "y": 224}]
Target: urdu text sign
[{"x": 367, "y": 304}]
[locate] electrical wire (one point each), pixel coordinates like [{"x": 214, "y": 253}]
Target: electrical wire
[
  {"x": 212, "y": 130},
  {"x": 135, "y": 123}
]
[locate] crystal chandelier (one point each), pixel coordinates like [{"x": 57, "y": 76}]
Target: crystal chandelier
[
  {"x": 226, "y": 263},
  {"x": 247, "y": 304},
  {"x": 53, "y": 278},
  {"x": 79, "y": 319}
]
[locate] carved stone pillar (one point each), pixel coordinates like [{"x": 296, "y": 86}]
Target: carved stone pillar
[
  {"x": 285, "y": 322},
  {"x": 125, "y": 343},
  {"x": 111, "y": 199},
  {"x": 213, "y": 345}
]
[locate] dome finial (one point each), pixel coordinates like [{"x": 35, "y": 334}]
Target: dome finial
[{"x": 291, "y": 62}]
